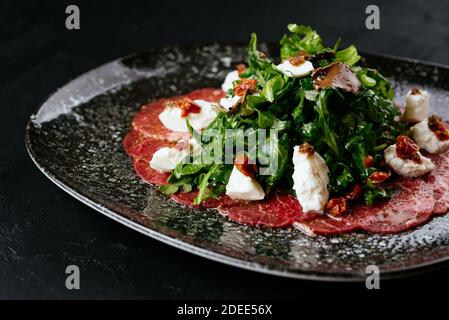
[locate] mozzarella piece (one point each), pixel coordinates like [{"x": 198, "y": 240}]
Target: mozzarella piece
[
  {"x": 417, "y": 106},
  {"x": 208, "y": 113},
  {"x": 166, "y": 159},
  {"x": 243, "y": 187},
  {"x": 426, "y": 139},
  {"x": 229, "y": 80},
  {"x": 291, "y": 70},
  {"x": 229, "y": 103},
  {"x": 171, "y": 119},
  {"x": 171, "y": 116},
  {"x": 310, "y": 180},
  {"x": 407, "y": 167}
]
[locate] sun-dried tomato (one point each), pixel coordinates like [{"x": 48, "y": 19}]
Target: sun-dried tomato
[
  {"x": 307, "y": 148},
  {"x": 356, "y": 193},
  {"x": 299, "y": 58},
  {"x": 337, "y": 206},
  {"x": 245, "y": 86},
  {"x": 379, "y": 176},
  {"x": 415, "y": 91},
  {"x": 242, "y": 163},
  {"x": 406, "y": 148},
  {"x": 436, "y": 124},
  {"x": 186, "y": 105},
  {"x": 368, "y": 161},
  {"x": 442, "y": 135}
]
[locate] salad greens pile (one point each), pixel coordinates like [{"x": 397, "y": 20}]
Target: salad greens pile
[{"x": 344, "y": 128}]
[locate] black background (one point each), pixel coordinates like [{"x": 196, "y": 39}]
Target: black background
[{"x": 42, "y": 229}]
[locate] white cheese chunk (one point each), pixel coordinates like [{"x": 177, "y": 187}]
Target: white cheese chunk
[
  {"x": 243, "y": 187},
  {"x": 209, "y": 111},
  {"x": 407, "y": 167},
  {"x": 171, "y": 116},
  {"x": 172, "y": 120},
  {"x": 230, "y": 102},
  {"x": 229, "y": 80},
  {"x": 417, "y": 106},
  {"x": 310, "y": 180},
  {"x": 426, "y": 139},
  {"x": 166, "y": 159},
  {"x": 291, "y": 70}
]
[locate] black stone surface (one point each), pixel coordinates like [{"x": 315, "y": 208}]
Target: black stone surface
[{"x": 42, "y": 229}]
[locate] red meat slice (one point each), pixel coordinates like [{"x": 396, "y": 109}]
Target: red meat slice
[
  {"x": 438, "y": 186},
  {"x": 141, "y": 149},
  {"x": 325, "y": 225},
  {"x": 139, "y": 146},
  {"x": 143, "y": 170},
  {"x": 147, "y": 119},
  {"x": 133, "y": 137},
  {"x": 147, "y": 122},
  {"x": 208, "y": 94},
  {"x": 187, "y": 198},
  {"x": 148, "y": 135},
  {"x": 411, "y": 206},
  {"x": 439, "y": 182},
  {"x": 279, "y": 210},
  {"x": 441, "y": 197}
]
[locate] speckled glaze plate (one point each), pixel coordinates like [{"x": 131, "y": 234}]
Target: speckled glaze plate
[{"x": 75, "y": 139}]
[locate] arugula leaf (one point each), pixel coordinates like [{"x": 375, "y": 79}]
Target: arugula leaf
[
  {"x": 273, "y": 88},
  {"x": 372, "y": 79},
  {"x": 257, "y": 61},
  {"x": 367, "y": 81},
  {"x": 337, "y": 45},
  {"x": 324, "y": 122},
  {"x": 311, "y": 95},
  {"x": 277, "y": 150},
  {"x": 371, "y": 193},
  {"x": 185, "y": 184},
  {"x": 185, "y": 169},
  {"x": 344, "y": 178},
  {"x": 297, "y": 112},
  {"x": 350, "y": 56},
  {"x": 264, "y": 119},
  {"x": 203, "y": 186},
  {"x": 358, "y": 155},
  {"x": 193, "y": 133},
  {"x": 302, "y": 39}
]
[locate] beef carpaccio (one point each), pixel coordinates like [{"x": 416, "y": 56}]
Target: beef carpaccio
[{"x": 414, "y": 200}]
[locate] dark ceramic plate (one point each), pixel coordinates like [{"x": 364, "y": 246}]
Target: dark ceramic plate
[{"x": 75, "y": 139}]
